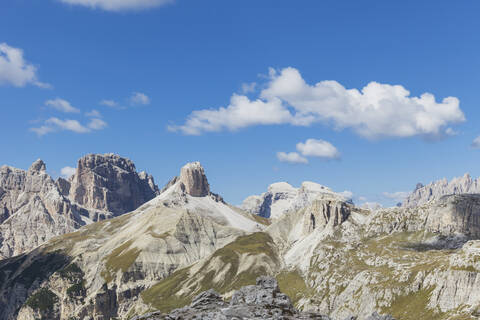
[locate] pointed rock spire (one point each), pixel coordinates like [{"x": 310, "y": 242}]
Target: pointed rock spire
[
  {"x": 37, "y": 166},
  {"x": 194, "y": 180}
]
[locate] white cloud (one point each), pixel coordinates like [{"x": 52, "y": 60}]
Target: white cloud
[
  {"x": 242, "y": 112},
  {"x": 376, "y": 111},
  {"x": 14, "y": 70},
  {"x": 67, "y": 172},
  {"x": 476, "y": 143},
  {"x": 318, "y": 148},
  {"x": 61, "y": 105},
  {"x": 109, "y": 103},
  {"x": 97, "y": 124},
  {"x": 94, "y": 114},
  {"x": 55, "y": 124},
  {"x": 139, "y": 98},
  {"x": 119, "y": 5},
  {"x": 291, "y": 157},
  {"x": 371, "y": 205},
  {"x": 398, "y": 196},
  {"x": 347, "y": 194},
  {"x": 248, "y": 87}
]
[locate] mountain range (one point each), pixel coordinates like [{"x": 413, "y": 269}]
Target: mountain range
[{"x": 107, "y": 243}]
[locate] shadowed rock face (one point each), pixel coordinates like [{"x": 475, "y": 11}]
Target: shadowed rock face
[
  {"x": 456, "y": 214},
  {"x": 194, "y": 180},
  {"x": 110, "y": 183}
]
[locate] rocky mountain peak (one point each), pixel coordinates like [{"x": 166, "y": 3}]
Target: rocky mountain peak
[
  {"x": 111, "y": 183},
  {"x": 37, "y": 166},
  {"x": 194, "y": 180}
]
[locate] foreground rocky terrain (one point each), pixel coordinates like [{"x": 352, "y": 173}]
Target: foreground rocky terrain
[
  {"x": 332, "y": 259},
  {"x": 34, "y": 208}
]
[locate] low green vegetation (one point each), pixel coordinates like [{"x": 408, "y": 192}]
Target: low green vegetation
[
  {"x": 121, "y": 258},
  {"x": 77, "y": 290},
  {"x": 164, "y": 295},
  {"x": 293, "y": 285},
  {"x": 42, "y": 300}
]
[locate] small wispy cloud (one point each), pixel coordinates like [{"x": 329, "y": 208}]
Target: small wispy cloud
[
  {"x": 291, "y": 157},
  {"x": 248, "y": 87},
  {"x": 398, "y": 196},
  {"x": 67, "y": 172},
  {"x": 119, "y": 5},
  {"x": 476, "y": 143},
  {"x": 56, "y": 125},
  {"x": 139, "y": 98},
  {"x": 61, "y": 105},
  {"x": 109, "y": 103},
  {"x": 93, "y": 114}
]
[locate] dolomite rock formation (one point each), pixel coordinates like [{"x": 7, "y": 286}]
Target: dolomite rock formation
[
  {"x": 456, "y": 214},
  {"x": 281, "y": 197},
  {"x": 110, "y": 183},
  {"x": 194, "y": 181},
  {"x": 435, "y": 190},
  {"x": 34, "y": 208}
]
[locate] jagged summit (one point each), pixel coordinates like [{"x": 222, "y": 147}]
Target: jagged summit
[
  {"x": 194, "y": 180},
  {"x": 35, "y": 208},
  {"x": 110, "y": 183},
  {"x": 435, "y": 190},
  {"x": 38, "y": 166}
]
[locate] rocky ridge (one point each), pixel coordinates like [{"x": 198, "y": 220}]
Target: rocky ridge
[
  {"x": 328, "y": 256},
  {"x": 34, "y": 208},
  {"x": 435, "y": 190},
  {"x": 281, "y": 197}
]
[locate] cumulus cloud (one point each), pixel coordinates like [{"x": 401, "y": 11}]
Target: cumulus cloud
[
  {"x": 55, "y": 125},
  {"x": 397, "y": 196},
  {"x": 242, "y": 112},
  {"x": 310, "y": 148},
  {"x": 291, "y": 157},
  {"x": 14, "y": 70},
  {"x": 67, "y": 172},
  {"x": 318, "y": 148},
  {"x": 139, "y": 98},
  {"x": 375, "y": 111},
  {"x": 476, "y": 143},
  {"x": 371, "y": 205},
  {"x": 119, "y": 5},
  {"x": 61, "y": 105}
]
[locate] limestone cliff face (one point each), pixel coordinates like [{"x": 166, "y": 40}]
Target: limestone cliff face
[
  {"x": 110, "y": 183},
  {"x": 435, "y": 190},
  {"x": 34, "y": 208},
  {"x": 281, "y": 197},
  {"x": 194, "y": 180}
]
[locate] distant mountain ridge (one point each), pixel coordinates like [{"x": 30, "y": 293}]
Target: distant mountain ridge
[
  {"x": 282, "y": 197},
  {"x": 435, "y": 190}
]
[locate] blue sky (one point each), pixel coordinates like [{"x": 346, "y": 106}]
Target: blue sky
[{"x": 158, "y": 61}]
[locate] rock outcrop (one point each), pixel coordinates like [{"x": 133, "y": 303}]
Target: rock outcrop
[
  {"x": 281, "y": 197},
  {"x": 34, "y": 208},
  {"x": 435, "y": 190},
  {"x": 194, "y": 180},
  {"x": 261, "y": 301},
  {"x": 110, "y": 183}
]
